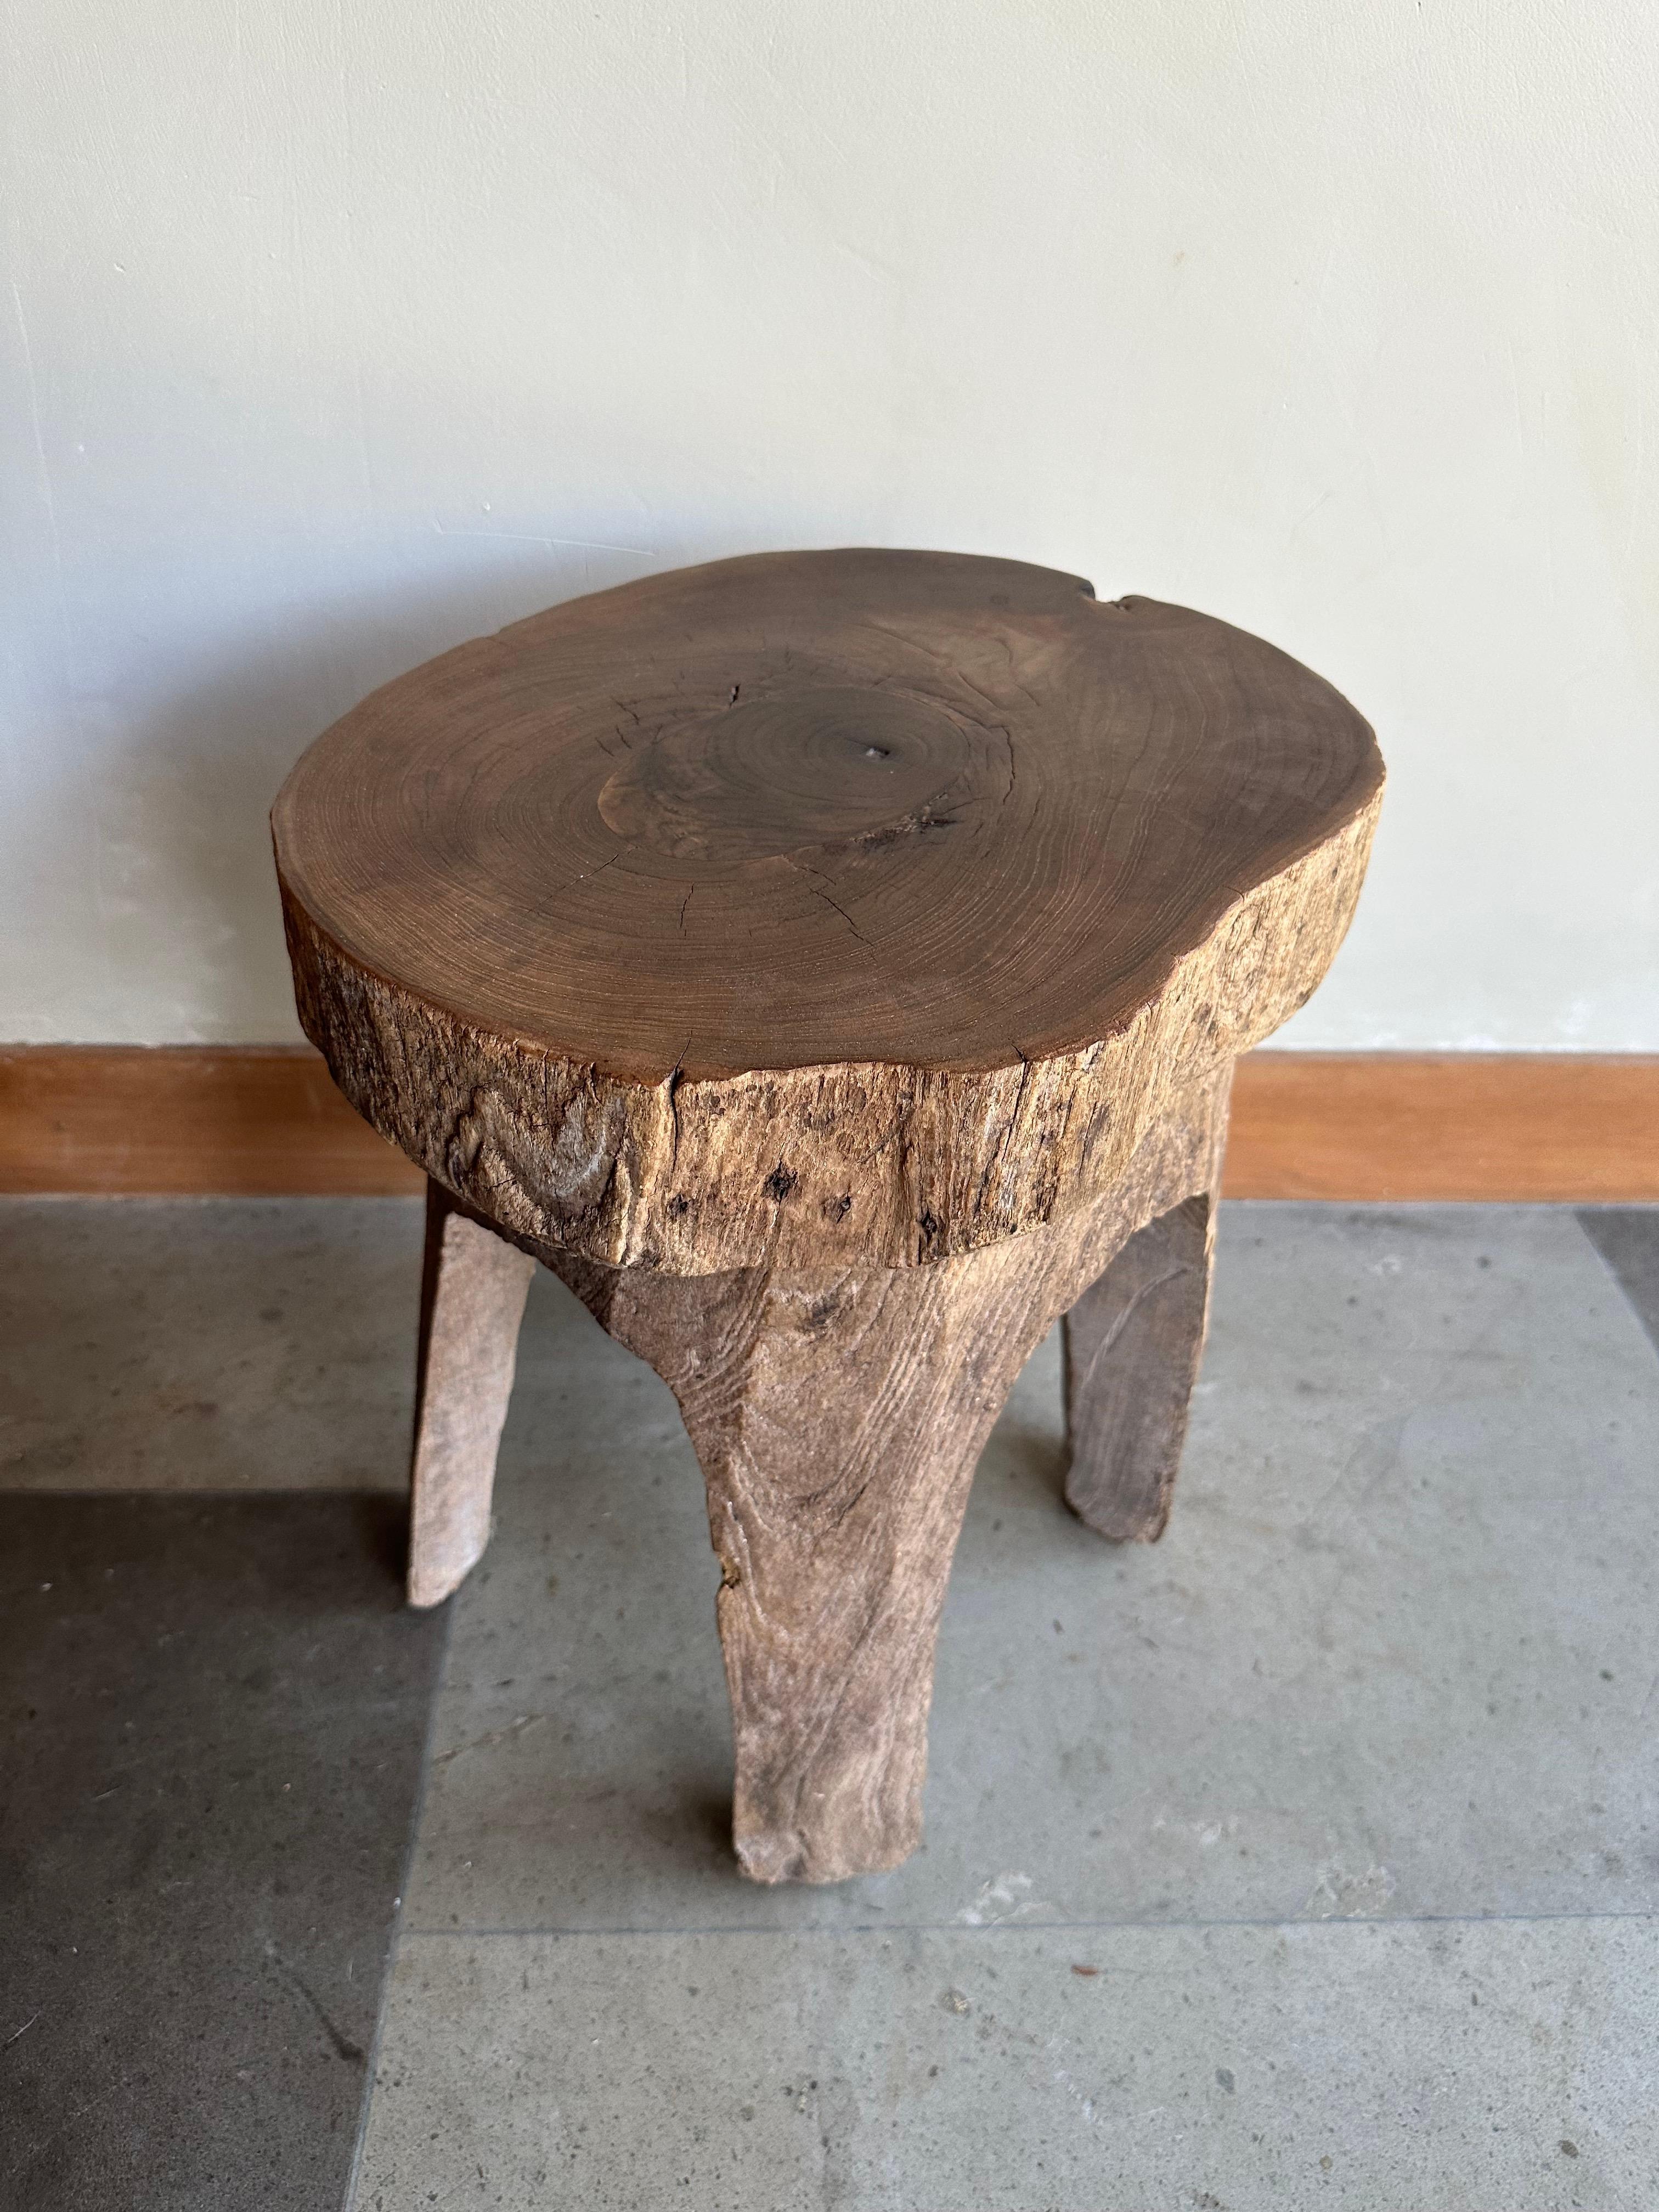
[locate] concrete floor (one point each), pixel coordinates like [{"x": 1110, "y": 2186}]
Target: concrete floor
[{"x": 1306, "y": 1858}]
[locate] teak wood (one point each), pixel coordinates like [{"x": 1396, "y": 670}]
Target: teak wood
[{"x": 832, "y": 965}]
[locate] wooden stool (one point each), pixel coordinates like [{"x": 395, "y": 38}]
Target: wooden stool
[{"x": 831, "y": 965}]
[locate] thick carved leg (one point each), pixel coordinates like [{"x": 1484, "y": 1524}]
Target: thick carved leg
[
  {"x": 1132, "y": 1342},
  {"x": 472, "y": 1295},
  {"x": 838, "y": 1418}
]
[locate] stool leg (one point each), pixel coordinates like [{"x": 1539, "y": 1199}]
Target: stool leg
[
  {"x": 472, "y": 1293},
  {"x": 838, "y": 1418},
  {"x": 1132, "y": 1345}
]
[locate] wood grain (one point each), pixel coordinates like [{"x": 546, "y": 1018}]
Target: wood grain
[
  {"x": 838, "y": 1415},
  {"x": 472, "y": 1294},
  {"x": 1132, "y": 1339},
  {"x": 816, "y": 809},
  {"x": 1132, "y": 1345},
  {"x": 248, "y": 1120},
  {"x": 868, "y": 906},
  {"x": 825, "y": 962}
]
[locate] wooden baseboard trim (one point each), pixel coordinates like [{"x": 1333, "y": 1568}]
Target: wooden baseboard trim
[
  {"x": 162, "y": 1120},
  {"x": 266, "y": 1122},
  {"x": 1504, "y": 1128}
]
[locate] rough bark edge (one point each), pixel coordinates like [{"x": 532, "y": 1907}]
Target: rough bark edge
[{"x": 887, "y": 1166}]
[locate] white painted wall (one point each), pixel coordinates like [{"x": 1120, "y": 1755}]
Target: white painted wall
[{"x": 335, "y": 331}]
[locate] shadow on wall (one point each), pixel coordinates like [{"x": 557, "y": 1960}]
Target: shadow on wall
[{"x": 185, "y": 782}]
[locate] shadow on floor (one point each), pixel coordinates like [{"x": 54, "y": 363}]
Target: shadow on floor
[{"x": 213, "y": 1710}]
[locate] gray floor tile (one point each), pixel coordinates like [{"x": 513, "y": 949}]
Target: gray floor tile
[
  {"x": 212, "y": 1713},
  {"x": 1487, "y": 2067},
  {"x": 1395, "y": 1660},
  {"x": 1627, "y": 1237},
  {"x": 207, "y": 1344},
  {"x": 1397, "y": 1654}
]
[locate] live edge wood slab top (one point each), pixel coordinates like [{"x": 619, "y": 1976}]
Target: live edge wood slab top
[{"x": 815, "y": 906}]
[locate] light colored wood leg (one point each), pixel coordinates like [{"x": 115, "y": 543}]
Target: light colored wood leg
[
  {"x": 472, "y": 1295},
  {"x": 838, "y": 1416},
  {"x": 838, "y": 1419},
  {"x": 1132, "y": 1342}
]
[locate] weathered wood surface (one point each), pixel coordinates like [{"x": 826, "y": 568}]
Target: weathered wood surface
[
  {"x": 838, "y": 1416},
  {"x": 827, "y": 963},
  {"x": 1132, "y": 1346},
  {"x": 1132, "y": 1341},
  {"x": 855, "y": 908},
  {"x": 472, "y": 1294}
]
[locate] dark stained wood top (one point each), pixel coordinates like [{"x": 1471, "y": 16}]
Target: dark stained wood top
[{"x": 816, "y": 808}]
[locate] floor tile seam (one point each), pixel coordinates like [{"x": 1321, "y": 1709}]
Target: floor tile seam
[
  {"x": 495, "y": 1933},
  {"x": 399, "y": 1931}
]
